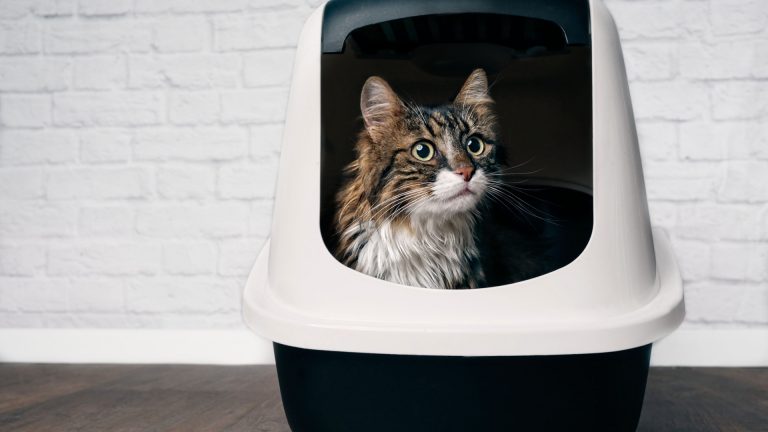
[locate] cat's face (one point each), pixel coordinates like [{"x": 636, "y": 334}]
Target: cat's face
[{"x": 428, "y": 161}]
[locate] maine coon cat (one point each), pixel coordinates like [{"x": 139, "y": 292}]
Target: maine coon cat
[{"x": 408, "y": 212}]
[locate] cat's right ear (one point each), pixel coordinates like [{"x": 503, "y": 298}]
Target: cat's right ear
[{"x": 379, "y": 105}]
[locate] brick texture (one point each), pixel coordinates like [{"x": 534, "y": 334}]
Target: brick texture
[{"x": 139, "y": 143}]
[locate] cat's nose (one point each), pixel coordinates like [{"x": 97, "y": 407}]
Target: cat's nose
[{"x": 465, "y": 171}]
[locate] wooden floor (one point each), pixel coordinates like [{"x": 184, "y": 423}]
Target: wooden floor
[{"x": 220, "y": 398}]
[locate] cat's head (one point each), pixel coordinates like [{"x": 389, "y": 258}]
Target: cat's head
[{"x": 435, "y": 161}]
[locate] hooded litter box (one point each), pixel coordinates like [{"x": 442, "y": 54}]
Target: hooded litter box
[{"x": 567, "y": 350}]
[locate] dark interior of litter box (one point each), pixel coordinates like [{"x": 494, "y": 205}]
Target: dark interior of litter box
[{"x": 542, "y": 86}]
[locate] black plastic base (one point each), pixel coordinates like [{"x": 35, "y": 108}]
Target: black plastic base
[{"x": 326, "y": 391}]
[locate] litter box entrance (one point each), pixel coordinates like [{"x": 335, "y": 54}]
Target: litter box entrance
[{"x": 540, "y": 80}]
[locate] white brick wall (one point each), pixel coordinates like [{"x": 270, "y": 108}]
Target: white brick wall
[{"x": 139, "y": 141}]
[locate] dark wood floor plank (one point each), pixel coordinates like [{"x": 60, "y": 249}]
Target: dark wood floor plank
[
  {"x": 706, "y": 399},
  {"x": 246, "y": 398},
  {"x": 24, "y": 384}
]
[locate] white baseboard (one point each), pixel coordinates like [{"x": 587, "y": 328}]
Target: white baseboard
[
  {"x": 226, "y": 347},
  {"x": 702, "y": 347},
  {"x": 713, "y": 347}
]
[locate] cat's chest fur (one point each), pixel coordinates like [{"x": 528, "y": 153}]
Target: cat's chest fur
[{"x": 424, "y": 252}]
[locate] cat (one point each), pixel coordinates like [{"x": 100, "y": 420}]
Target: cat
[{"x": 408, "y": 212}]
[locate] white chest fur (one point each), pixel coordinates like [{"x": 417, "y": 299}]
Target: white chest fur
[{"x": 431, "y": 253}]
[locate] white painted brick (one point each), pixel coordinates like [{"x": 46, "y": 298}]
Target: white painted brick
[
  {"x": 740, "y": 261},
  {"x": 266, "y": 141},
  {"x": 728, "y": 260},
  {"x": 260, "y": 218},
  {"x": 181, "y": 34},
  {"x": 740, "y": 100},
  {"x": 34, "y": 73},
  {"x": 20, "y": 37},
  {"x": 270, "y": 29},
  {"x": 186, "y": 182},
  {"x": 650, "y": 61},
  {"x": 745, "y": 181},
  {"x": 718, "y": 140},
  {"x": 268, "y": 68},
  {"x": 21, "y": 183},
  {"x": 192, "y": 6},
  {"x": 189, "y": 220},
  {"x": 105, "y": 258},
  {"x": 103, "y": 146},
  {"x": 237, "y": 256},
  {"x": 657, "y": 140},
  {"x": 207, "y": 320},
  {"x": 33, "y": 295},
  {"x": 102, "y": 7},
  {"x": 94, "y": 36},
  {"x": 95, "y": 295},
  {"x": 22, "y": 259},
  {"x": 47, "y": 8},
  {"x": 33, "y": 220},
  {"x": 682, "y": 181},
  {"x": 25, "y": 110},
  {"x": 711, "y": 301},
  {"x": 248, "y": 181},
  {"x": 696, "y": 21},
  {"x": 663, "y": 214},
  {"x": 185, "y": 71},
  {"x": 97, "y": 183},
  {"x": 108, "y": 109},
  {"x": 753, "y": 309},
  {"x": 760, "y": 64},
  {"x": 738, "y": 16},
  {"x": 54, "y": 8},
  {"x": 21, "y": 319},
  {"x": 703, "y": 141},
  {"x": 258, "y": 5},
  {"x": 190, "y": 258},
  {"x": 745, "y": 140},
  {"x": 15, "y": 8},
  {"x": 32, "y": 147},
  {"x": 100, "y": 221},
  {"x": 254, "y": 106},
  {"x": 710, "y": 221},
  {"x": 83, "y": 319},
  {"x": 191, "y": 144},
  {"x": 669, "y": 100},
  {"x": 647, "y": 19},
  {"x": 722, "y": 60},
  {"x": 100, "y": 72},
  {"x": 194, "y": 108},
  {"x": 693, "y": 257},
  {"x": 181, "y": 294}
]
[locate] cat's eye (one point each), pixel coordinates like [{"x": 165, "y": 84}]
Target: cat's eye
[
  {"x": 423, "y": 151},
  {"x": 475, "y": 146}
]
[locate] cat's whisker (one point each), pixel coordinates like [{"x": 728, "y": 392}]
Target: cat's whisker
[
  {"x": 510, "y": 172},
  {"x": 513, "y": 207},
  {"x": 531, "y": 159},
  {"x": 523, "y": 205},
  {"x": 393, "y": 202},
  {"x": 522, "y": 190}
]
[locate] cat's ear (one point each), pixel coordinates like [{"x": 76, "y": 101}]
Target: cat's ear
[
  {"x": 475, "y": 90},
  {"x": 379, "y": 105}
]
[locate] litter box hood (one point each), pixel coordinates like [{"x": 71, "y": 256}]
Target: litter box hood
[{"x": 623, "y": 290}]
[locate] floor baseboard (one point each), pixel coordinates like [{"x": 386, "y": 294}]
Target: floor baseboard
[{"x": 685, "y": 347}]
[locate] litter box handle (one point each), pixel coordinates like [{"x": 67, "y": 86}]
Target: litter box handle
[{"x": 342, "y": 17}]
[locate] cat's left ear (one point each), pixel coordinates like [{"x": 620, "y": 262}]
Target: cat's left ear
[
  {"x": 379, "y": 105},
  {"x": 475, "y": 90}
]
